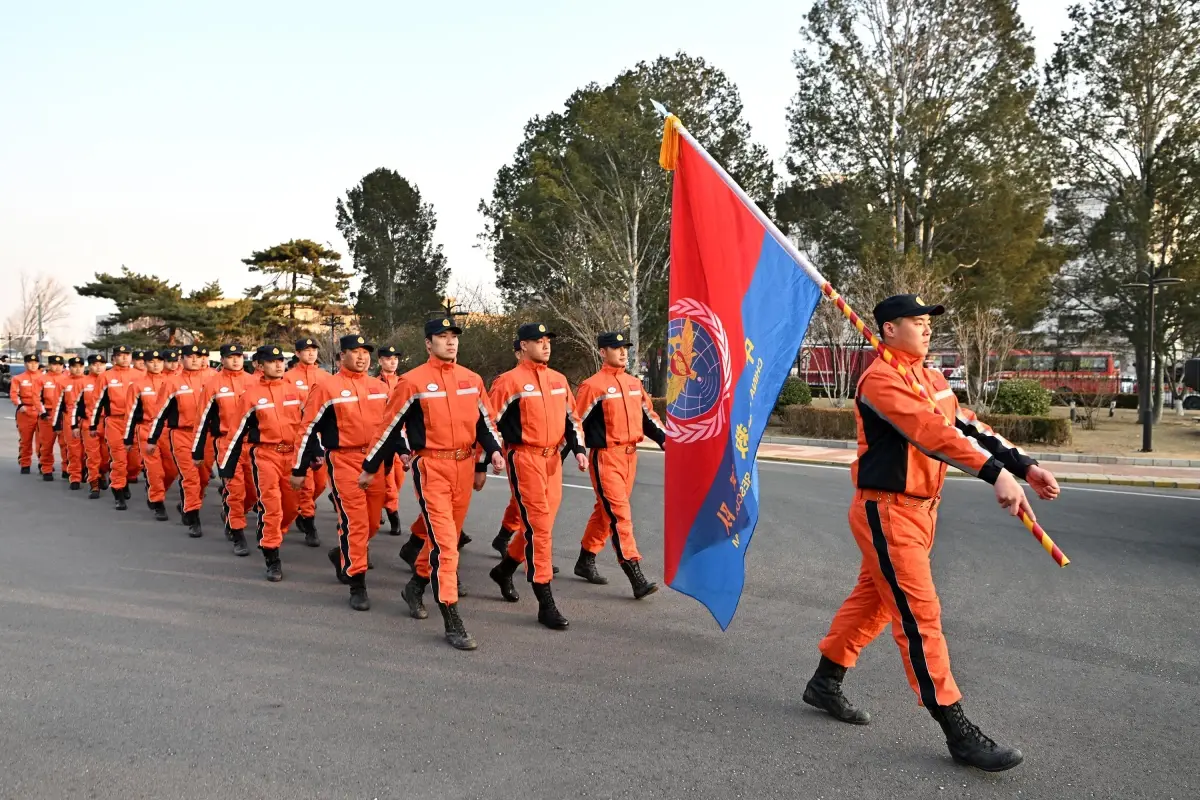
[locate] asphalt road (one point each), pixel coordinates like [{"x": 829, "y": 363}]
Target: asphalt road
[{"x": 138, "y": 663}]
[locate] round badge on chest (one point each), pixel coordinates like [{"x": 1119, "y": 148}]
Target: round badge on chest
[
  {"x": 224, "y": 390},
  {"x": 612, "y": 390},
  {"x": 529, "y": 387},
  {"x": 432, "y": 387},
  {"x": 345, "y": 392}
]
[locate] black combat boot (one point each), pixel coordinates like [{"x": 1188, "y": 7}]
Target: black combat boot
[
  {"x": 24, "y": 470},
  {"x": 548, "y": 613},
  {"x": 500, "y": 543},
  {"x": 335, "y": 558},
  {"x": 119, "y": 497},
  {"x": 462, "y": 590},
  {"x": 104, "y": 483},
  {"x": 65, "y": 475},
  {"x": 463, "y": 540},
  {"x": 414, "y": 594},
  {"x": 193, "y": 524},
  {"x": 94, "y": 494},
  {"x": 179, "y": 508},
  {"x": 240, "y": 548},
  {"x": 456, "y": 633},
  {"x": 47, "y": 476},
  {"x": 502, "y": 574},
  {"x": 968, "y": 745},
  {"x": 641, "y": 586},
  {"x": 132, "y": 480},
  {"x": 585, "y": 567},
  {"x": 358, "y": 592},
  {"x": 128, "y": 494},
  {"x": 410, "y": 550},
  {"x": 160, "y": 511},
  {"x": 74, "y": 486},
  {"x": 824, "y": 691},
  {"x": 274, "y": 571},
  {"x": 308, "y": 526},
  {"x": 393, "y": 522}
]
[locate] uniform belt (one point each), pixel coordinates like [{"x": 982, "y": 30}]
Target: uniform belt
[
  {"x": 278, "y": 447},
  {"x": 628, "y": 448},
  {"x": 362, "y": 449},
  {"x": 542, "y": 451},
  {"x": 462, "y": 454},
  {"x": 899, "y": 499},
  {"x": 184, "y": 428}
]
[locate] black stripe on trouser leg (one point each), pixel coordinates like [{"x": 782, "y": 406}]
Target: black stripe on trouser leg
[
  {"x": 343, "y": 520},
  {"x": 916, "y": 647},
  {"x": 516, "y": 490},
  {"x": 434, "y": 560},
  {"x": 178, "y": 469},
  {"x": 612, "y": 518},
  {"x": 258, "y": 506}
]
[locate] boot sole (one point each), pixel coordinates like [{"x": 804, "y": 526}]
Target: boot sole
[
  {"x": 982, "y": 768},
  {"x": 651, "y": 590},
  {"x": 416, "y": 612},
  {"x": 555, "y": 627},
  {"x": 274, "y": 578},
  {"x": 313, "y": 543},
  {"x": 817, "y": 704},
  {"x": 515, "y": 597},
  {"x": 598, "y": 580},
  {"x": 462, "y": 644}
]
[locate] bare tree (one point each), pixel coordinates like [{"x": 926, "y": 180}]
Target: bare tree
[
  {"x": 44, "y": 303},
  {"x": 984, "y": 340}
]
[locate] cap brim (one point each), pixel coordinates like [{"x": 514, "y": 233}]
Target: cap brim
[{"x": 933, "y": 311}]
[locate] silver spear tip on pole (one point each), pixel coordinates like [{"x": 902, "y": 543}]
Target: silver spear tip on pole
[{"x": 660, "y": 108}]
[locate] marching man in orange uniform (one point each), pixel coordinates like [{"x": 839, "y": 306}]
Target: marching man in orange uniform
[
  {"x": 341, "y": 416},
  {"x": 173, "y": 366},
  {"x": 615, "y": 414},
  {"x": 177, "y": 419},
  {"x": 26, "y": 393},
  {"x": 389, "y": 363},
  {"x": 112, "y": 405},
  {"x": 95, "y": 446},
  {"x": 903, "y": 449},
  {"x": 218, "y": 419},
  {"x": 266, "y": 436},
  {"x": 535, "y": 411},
  {"x": 305, "y": 376},
  {"x": 50, "y": 390},
  {"x": 146, "y": 396},
  {"x": 434, "y": 419},
  {"x": 66, "y": 419}
]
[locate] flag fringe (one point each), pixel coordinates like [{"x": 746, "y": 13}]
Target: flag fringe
[{"x": 668, "y": 154}]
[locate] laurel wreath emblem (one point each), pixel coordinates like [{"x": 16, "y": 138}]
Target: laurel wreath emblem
[{"x": 700, "y": 430}]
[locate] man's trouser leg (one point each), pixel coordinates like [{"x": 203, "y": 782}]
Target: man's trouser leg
[
  {"x": 114, "y": 436},
  {"x": 536, "y": 482},
  {"x": 47, "y": 436},
  {"x": 357, "y": 510},
  {"x": 27, "y": 425},
  {"x": 64, "y": 448},
  {"x": 95, "y": 449},
  {"x": 157, "y": 476},
  {"x": 251, "y": 500},
  {"x": 276, "y": 498},
  {"x": 133, "y": 462},
  {"x": 191, "y": 483},
  {"x": 233, "y": 500},
  {"x": 75, "y": 456},
  {"x": 895, "y": 584},
  {"x": 395, "y": 480},
  {"x": 613, "y": 473},
  {"x": 443, "y": 488},
  {"x": 512, "y": 516},
  {"x": 314, "y": 485}
]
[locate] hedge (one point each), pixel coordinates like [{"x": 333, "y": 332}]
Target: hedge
[
  {"x": 838, "y": 423},
  {"x": 1126, "y": 400}
]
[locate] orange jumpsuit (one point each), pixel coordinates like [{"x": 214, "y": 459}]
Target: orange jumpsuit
[
  {"x": 26, "y": 393},
  {"x": 219, "y": 418},
  {"x": 343, "y": 412},
  {"x": 304, "y": 378},
  {"x": 395, "y": 474},
  {"x": 266, "y": 437},
  {"x": 66, "y": 422},
  {"x": 112, "y": 405},
  {"x": 51, "y": 390},
  {"x": 146, "y": 397},
  {"x": 903, "y": 449},
  {"x": 535, "y": 411},
  {"x": 91, "y": 430},
  {"x": 615, "y": 415},
  {"x": 178, "y": 418},
  {"x": 438, "y": 412}
]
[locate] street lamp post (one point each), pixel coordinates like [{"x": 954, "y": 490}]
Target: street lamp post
[{"x": 1146, "y": 400}]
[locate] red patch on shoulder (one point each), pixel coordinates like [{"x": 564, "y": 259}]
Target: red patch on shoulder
[
  {"x": 464, "y": 384},
  {"x": 556, "y": 386},
  {"x": 290, "y": 397}
]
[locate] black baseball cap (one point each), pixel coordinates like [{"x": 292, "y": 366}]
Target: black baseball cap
[
  {"x": 54, "y": 360},
  {"x": 152, "y": 355},
  {"x": 191, "y": 350},
  {"x": 268, "y": 352},
  {"x": 440, "y": 325},
  {"x": 389, "y": 350},
  {"x": 354, "y": 341},
  {"x": 170, "y": 355},
  {"x": 203, "y": 351},
  {"x": 97, "y": 358},
  {"x": 74, "y": 361},
  {"x": 231, "y": 350},
  {"x": 904, "y": 305},
  {"x": 30, "y": 357},
  {"x": 532, "y": 331},
  {"x": 139, "y": 355},
  {"x": 304, "y": 344},
  {"x": 121, "y": 349},
  {"x": 613, "y": 339}
]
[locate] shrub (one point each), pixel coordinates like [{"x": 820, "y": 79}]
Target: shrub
[
  {"x": 818, "y": 423},
  {"x": 795, "y": 392},
  {"x": 1023, "y": 397},
  {"x": 1030, "y": 429},
  {"x": 1124, "y": 400}
]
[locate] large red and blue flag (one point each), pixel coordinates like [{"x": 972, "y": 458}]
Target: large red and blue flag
[{"x": 739, "y": 309}]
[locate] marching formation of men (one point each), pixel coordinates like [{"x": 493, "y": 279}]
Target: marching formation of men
[{"x": 282, "y": 436}]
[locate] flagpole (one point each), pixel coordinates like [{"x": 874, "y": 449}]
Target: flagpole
[{"x": 673, "y": 128}]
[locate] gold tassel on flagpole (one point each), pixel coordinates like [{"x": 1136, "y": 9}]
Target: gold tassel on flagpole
[{"x": 668, "y": 154}]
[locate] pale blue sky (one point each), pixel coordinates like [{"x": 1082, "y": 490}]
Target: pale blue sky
[{"x": 175, "y": 138}]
